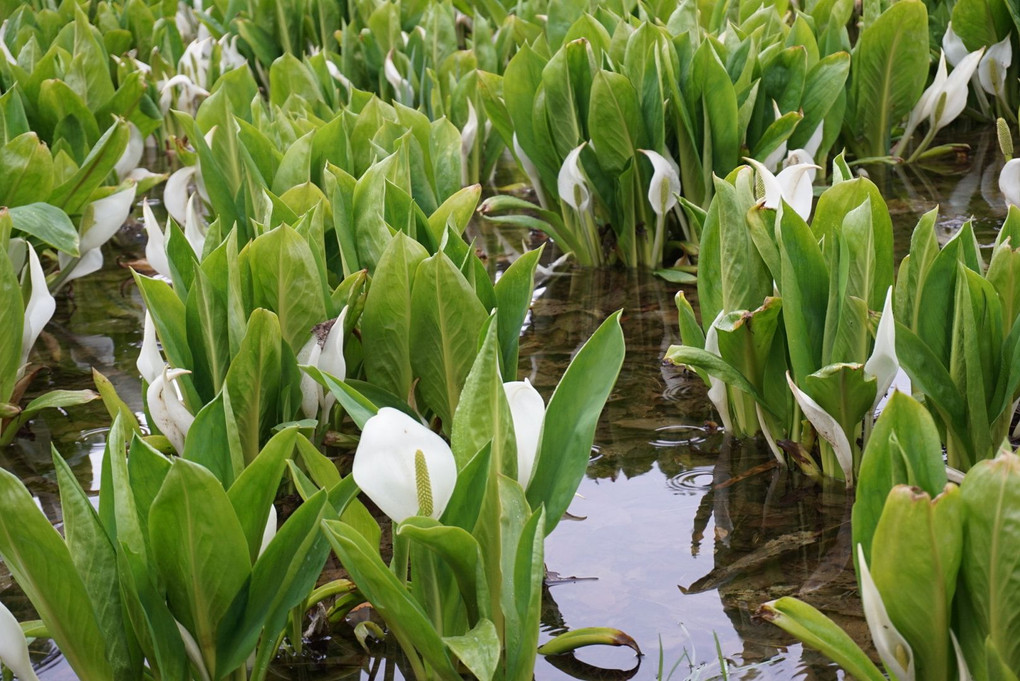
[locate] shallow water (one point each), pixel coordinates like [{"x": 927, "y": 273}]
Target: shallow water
[{"x": 684, "y": 531}]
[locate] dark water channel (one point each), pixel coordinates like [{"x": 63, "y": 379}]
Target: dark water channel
[{"x": 684, "y": 532}]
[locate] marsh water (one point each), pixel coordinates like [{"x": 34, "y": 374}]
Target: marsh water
[{"x": 679, "y": 533}]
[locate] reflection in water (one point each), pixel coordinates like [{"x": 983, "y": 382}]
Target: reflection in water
[{"x": 686, "y": 530}]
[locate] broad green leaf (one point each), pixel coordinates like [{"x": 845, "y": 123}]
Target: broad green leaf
[
  {"x": 915, "y": 556},
  {"x": 94, "y": 558},
  {"x": 199, "y": 549},
  {"x": 819, "y": 632},
  {"x": 42, "y": 565},
  {"x": 285, "y": 280},
  {"x": 72, "y": 195},
  {"x": 991, "y": 576},
  {"x": 514, "y": 291},
  {"x": 903, "y": 449},
  {"x": 12, "y": 319},
  {"x": 27, "y": 166},
  {"x": 254, "y": 490},
  {"x": 386, "y": 320},
  {"x": 282, "y": 578},
  {"x": 478, "y": 649},
  {"x": 890, "y": 70},
  {"x": 254, "y": 381},
  {"x": 570, "y": 420},
  {"x": 214, "y": 442},
  {"x": 446, "y": 318},
  {"x": 461, "y": 553},
  {"x": 616, "y": 126},
  {"x": 389, "y": 597}
]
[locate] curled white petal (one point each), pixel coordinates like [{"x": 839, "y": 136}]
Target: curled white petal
[
  {"x": 467, "y": 141},
  {"x": 814, "y": 142},
  {"x": 3, "y": 44},
  {"x": 527, "y": 410},
  {"x": 89, "y": 262},
  {"x": 332, "y": 358},
  {"x": 166, "y": 408},
  {"x": 270, "y": 529},
  {"x": 531, "y": 170},
  {"x": 311, "y": 391},
  {"x": 155, "y": 247},
  {"x": 384, "y": 465},
  {"x": 953, "y": 46},
  {"x": 571, "y": 183},
  {"x": 717, "y": 391},
  {"x": 402, "y": 87},
  {"x": 665, "y": 184},
  {"x": 773, "y": 191},
  {"x": 827, "y": 427},
  {"x": 1009, "y": 182},
  {"x": 102, "y": 218},
  {"x": 889, "y": 642},
  {"x": 14, "y": 647},
  {"x": 795, "y": 187},
  {"x": 40, "y": 308},
  {"x": 956, "y": 89},
  {"x": 883, "y": 364},
  {"x": 993, "y": 67},
  {"x": 175, "y": 194},
  {"x": 194, "y": 227},
  {"x": 129, "y": 160},
  {"x": 150, "y": 362}
]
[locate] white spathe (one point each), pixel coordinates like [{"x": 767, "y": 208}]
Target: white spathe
[
  {"x": 827, "y": 427},
  {"x": 993, "y": 67},
  {"x": 14, "y": 647},
  {"x": 883, "y": 363},
  {"x": 166, "y": 408},
  {"x": 895, "y": 651},
  {"x": 717, "y": 391},
  {"x": 194, "y": 226},
  {"x": 402, "y": 87},
  {"x": 665, "y": 184},
  {"x": 103, "y": 217},
  {"x": 155, "y": 247},
  {"x": 952, "y": 45},
  {"x": 89, "y": 262},
  {"x": 327, "y": 355},
  {"x": 527, "y": 410},
  {"x": 175, "y": 193},
  {"x": 792, "y": 184},
  {"x": 1009, "y": 182},
  {"x": 388, "y": 468},
  {"x": 150, "y": 362},
  {"x": 531, "y": 170},
  {"x": 132, "y": 155},
  {"x": 40, "y": 306},
  {"x": 952, "y": 100},
  {"x": 467, "y": 142},
  {"x": 269, "y": 531},
  {"x": 571, "y": 183},
  {"x": 311, "y": 391}
]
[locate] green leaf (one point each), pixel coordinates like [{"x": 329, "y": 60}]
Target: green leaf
[
  {"x": 513, "y": 300},
  {"x": 903, "y": 449},
  {"x": 615, "y": 122},
  {"x": 915, "y": 557},
  {"x": 12, "y": 320},
  {"x": 446, "y": 318},
  {"x": 890, "y": 71},
  {"x": 255, "y": 488},
  {"x": 483, "y": 414},
  {"x": 389, "y": 597},
  {"x": 254, "y": 381},
  {"x": 285, "y": 280},
  {"x": 461, "y": 552},
  {"x": 114, "y": 404},
  {"x": 42, "y": 565},
  {"x": 94, "y": 558},
  {"x": 478, "y": 649},
  {"x": 282, "y": 578},
  {"x": 214, "y": 442},
  {"x": 199, "y": 549},
  {"x": 386, "y": 320},
  {"x": 990, "y": 573},
  {"x": 819, "y": 632},
  {"x": 714, "y": 365},
  {"x": 27, "y": 166},
  {"x": 571, "y": 417},
  {"x": 73, "y": 194}
]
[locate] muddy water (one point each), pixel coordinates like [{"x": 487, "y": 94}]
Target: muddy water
[{"x": 682, "y": 532}]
